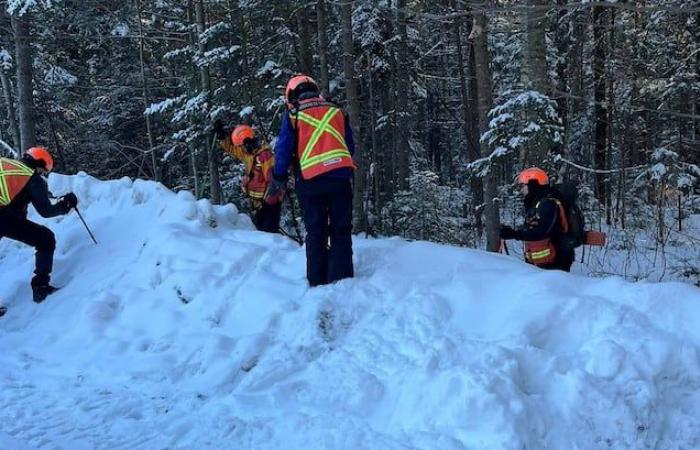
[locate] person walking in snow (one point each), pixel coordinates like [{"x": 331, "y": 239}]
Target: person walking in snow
[
  {"x": 21, "y": 183},
  {"x": 316, "y": 139},
  {"x": 545, "y": 224},
  {"x": 258, "y": 159}
]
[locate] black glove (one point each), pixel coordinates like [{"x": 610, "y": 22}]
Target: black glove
[
  {"x": 275, "y": 190},
  {"x": 69, "y": 201},
  {"x": 507, "y": 232},
  {"x": 219, "y": 130}
]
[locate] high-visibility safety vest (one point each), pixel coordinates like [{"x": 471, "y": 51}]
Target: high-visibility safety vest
[
  {"x": 14, "y": 176},
  {"x": 321, "y": 146},
  {"x": 258, "y": 168},
  {"x": 544, "y": 251}
]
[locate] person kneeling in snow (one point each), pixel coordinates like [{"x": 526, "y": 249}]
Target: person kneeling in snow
[
  {"x": 21, "y": 183},
  {"x": 545, "y": 224},
  {"x": 259, "y": 160}
]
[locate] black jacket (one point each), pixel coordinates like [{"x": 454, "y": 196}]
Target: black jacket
[
  {"x": 35, "y": 192},
  {"x": 542, "y": 218},
  {"x": 542, "y": 221}
]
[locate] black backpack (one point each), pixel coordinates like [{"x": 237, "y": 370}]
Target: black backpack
[{"x": 567, "y": 194}]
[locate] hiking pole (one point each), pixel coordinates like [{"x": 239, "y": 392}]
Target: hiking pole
[
  {"x": 504, "y": 247},
  {"x": 85, "y": 224}
]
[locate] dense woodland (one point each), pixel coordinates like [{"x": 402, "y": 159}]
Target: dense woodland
[{"x": 448, "y": 99}]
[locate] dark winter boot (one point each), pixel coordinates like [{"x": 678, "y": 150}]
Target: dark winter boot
[
  {"x": 41, "y": 291},
  {"x": 3, "y": 310}
]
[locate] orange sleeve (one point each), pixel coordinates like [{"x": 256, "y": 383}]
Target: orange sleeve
[{"x": 233, "y": 150}]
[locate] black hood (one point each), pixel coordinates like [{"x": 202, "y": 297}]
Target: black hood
[{"x": 535, "y": 193}]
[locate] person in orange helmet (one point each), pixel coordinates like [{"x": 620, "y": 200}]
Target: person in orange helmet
[
  {"x": 315, "y": 139},
  {"x": 22, "y": 183},
  {"x": 244, "y": 145},
  {"x": 545, "y": 223}
]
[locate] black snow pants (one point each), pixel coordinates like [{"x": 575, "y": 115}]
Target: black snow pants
[
  {"x": 41, "y": 238},
  {"x": 267, "y": 217},
  {"x": 327, "y": 209}
]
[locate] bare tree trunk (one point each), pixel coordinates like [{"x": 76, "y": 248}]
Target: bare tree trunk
[
  {"x": 10, "y": 107},
  {"x": 575, "y": 79},
  {"x": 238, "y": 23},
  {"x": 195, "y": 172},
  {"x": 306, "y": 62},
  {"x": 477, "y": 183},
  {"x": 696, "y": 96},
  {"x": 373, "y": 171},
  {"x": 563, "y": 41},
  {"x": 25, "y": 84},
  {"x": 535, "y": 64},
  {"x": 192, "y": 147},
  {"x": 601, "y": 110},
  {"x": 535, "y": 72},
  {"x": 610, "y": 80},
  {"x": 483, "y": 81},
  {"x": 144, "y": 81},
  {"x": 470, "y": 122},
  {"x": 323, "y": 45},
  {"x": 212, "y": 152},
  {"x": 354, "y": 101},
  {"x": 402, "y": 130}
]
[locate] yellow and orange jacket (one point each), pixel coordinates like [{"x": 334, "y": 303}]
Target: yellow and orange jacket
[{"x": 258, "y": 168}]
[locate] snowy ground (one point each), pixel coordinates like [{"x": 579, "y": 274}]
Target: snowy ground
[{"x": 184, "y": 329}]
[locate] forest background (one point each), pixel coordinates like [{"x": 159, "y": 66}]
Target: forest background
[{"x": 448, "y": 99}]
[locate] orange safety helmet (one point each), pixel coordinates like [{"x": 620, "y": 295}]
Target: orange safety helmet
[
  {"x": 296, "y": 82},
  {"x": 241, "y": 133},
  {"x": 42, "y": 157},
  {"x": 533, "y": 173}
]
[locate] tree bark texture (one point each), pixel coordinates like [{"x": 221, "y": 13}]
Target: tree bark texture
[
  {"x": 535, "y": 73},
  {"x": 483, "y": 81},
  {"x": 6, "y": 85},
  {"x": 601, "y": 109},
  {"x": 323, "y": 45},
  {"x": 25, "y": 85},
  {"x": 306, "y": 62},
  {"x": 212, "y": 151},
  {"x": 403, "y": 150},
  {"x": 352, "y": 96},
  {"x": 146, "y": 96}
]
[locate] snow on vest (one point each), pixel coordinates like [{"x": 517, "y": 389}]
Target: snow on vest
[
  {"x": 14, "y": 176},
  {"x": 321, "y": 146}
]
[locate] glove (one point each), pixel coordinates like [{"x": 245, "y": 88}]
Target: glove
[
  {"x": 245, "y": 179},
  {"x": 69, "y": 201},
  {"x": 219, "y": 130},
  {"x": 275, "y": 190},
  {"x": 507, "y": 232}
]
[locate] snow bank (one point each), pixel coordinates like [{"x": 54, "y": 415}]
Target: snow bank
[{"x": 184, "y": 328}]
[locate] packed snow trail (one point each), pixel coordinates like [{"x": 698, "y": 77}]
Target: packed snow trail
[{"x": 186, "y": 329}]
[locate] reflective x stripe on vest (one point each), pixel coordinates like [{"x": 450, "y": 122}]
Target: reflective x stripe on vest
[
  {"x": 321, "y": 146},
  {"x": 14, "y": 176}
]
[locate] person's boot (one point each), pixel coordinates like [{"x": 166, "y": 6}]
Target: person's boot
[
  {"x": 41, "y": 291},
  {"x": 3, "y": 310}
]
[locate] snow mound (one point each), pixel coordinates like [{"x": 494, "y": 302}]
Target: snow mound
[{"x": 185, "y": 328}]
